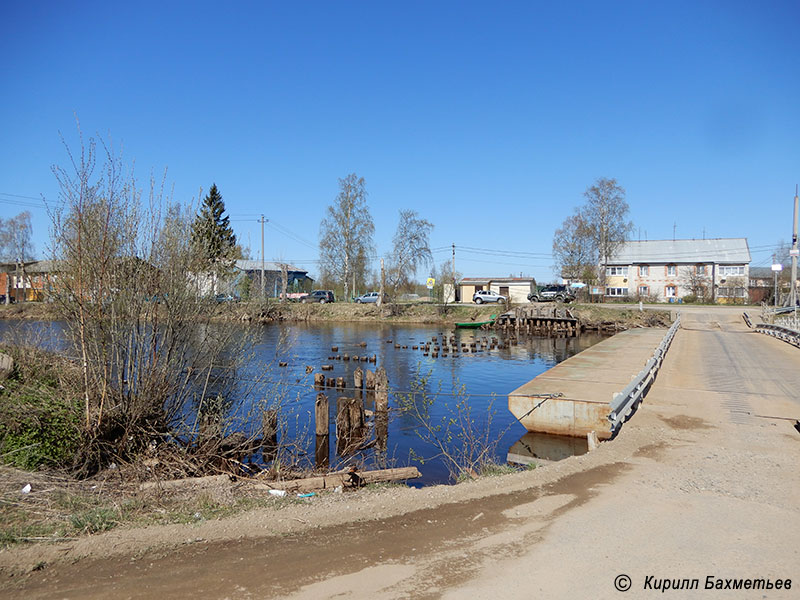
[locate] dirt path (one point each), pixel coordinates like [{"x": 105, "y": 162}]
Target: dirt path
[{"x": 696, "y": 485}]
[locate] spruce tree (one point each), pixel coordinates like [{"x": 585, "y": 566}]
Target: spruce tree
[{"x": 212, "y": 236}]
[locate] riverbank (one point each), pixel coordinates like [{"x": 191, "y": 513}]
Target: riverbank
[{"x": 593, "y": 317}]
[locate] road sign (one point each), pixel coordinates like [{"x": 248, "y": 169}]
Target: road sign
[
  {"x": 431, "y": 282},
  {"x": 778, "y": 267}
]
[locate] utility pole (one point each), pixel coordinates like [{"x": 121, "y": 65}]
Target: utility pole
[
  {"x": 794, "y": 252},
  {"x": 455, "y": 296},
  {"x": 263, "y": 280}
]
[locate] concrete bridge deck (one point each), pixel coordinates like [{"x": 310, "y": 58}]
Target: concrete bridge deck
[{"x": 587, "y": 383}]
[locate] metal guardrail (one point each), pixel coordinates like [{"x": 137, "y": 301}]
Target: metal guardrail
[
  {"x": 790, "y": 336},
  {"x": 625, "y": 401}
]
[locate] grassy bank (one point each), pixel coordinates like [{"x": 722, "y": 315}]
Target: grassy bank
[{"x": 592, "y": 316}]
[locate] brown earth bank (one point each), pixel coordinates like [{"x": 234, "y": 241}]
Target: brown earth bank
[{"x": 591, "y": 316}]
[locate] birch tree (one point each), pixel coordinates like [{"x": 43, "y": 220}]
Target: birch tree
[
  {"x": 410, "y": 249},
  {"x": 574, "y": 248},
  {"x": 589, "y": 237},
  {"x": 606, "y": 212},
  {"x": 345, "y": 236},
  {"x": 16, "y": 246}
]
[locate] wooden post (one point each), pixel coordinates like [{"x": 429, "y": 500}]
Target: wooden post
[
  {"x": 358, "y": 378},
  {"x": 342, "y": 424},
  {"x": 331, "y": 382},
  {"x": 340, "y": 383},
  {"x": 381, "y": 409},
  {"x": 356, "y": 419},
  {"x": 322, "y": 451},
  {"x": 319, "y": 380},
  {"x": 370, "y": 380},
  {"x": 321, "y": 412}
]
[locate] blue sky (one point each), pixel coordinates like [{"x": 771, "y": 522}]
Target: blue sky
[{"x": 489, "y": 119}]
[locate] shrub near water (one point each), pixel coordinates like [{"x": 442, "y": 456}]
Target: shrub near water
[{"x": 39, "y": 417}]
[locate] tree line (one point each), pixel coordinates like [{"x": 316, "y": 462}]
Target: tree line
[{"x": 347, "y": 247}]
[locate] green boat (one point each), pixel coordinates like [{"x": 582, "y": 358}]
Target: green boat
[{"x": 475, "y": 324}]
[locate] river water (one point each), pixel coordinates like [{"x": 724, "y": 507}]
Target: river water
[{"x": 482, "y": 380}]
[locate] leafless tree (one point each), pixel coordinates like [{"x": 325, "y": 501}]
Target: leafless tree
[
  {"x": 593, "y": 233},
  {"x": 606, "y": 211},
  {"x": 345, "y": 238},
  {"x": 410, "y": 250},
  {"x": 147, "y": 349},
  {"x": 574, "y": 248},
  {"x": 16, "y": 246},
  {"x": 699, "y": 283}
]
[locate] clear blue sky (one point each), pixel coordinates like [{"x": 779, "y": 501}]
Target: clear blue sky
[{"x": 489, "y": 119}]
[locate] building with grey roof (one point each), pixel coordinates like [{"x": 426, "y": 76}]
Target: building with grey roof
[{"x": 668, "y": 270}]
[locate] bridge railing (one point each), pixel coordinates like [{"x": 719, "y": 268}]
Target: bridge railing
[
  {"x": 791, "y": 336},
  {"x": 625, "y": 401}
]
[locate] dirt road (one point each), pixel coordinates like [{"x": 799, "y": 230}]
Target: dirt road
[{"x": 703, "y": 481}]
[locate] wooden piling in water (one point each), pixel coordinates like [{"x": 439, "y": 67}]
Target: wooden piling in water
[
  {"x": 370, "y": 380},
  {"x": 322, "y": 452},
  {"x": 342, "y": 424},
  {"x": 321, "y": 411},
  {"x": 319, "y": 380},
  {"x": 381, "y": 409},
  {"x": 358, "y": 378}
]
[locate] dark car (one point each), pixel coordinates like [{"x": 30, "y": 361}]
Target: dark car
[
  {"x": 321, "y": 296},
  {"x": 550, "y": 293}
]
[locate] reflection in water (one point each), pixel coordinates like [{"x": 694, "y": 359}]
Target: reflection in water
[{"x": 532, "y": 448}]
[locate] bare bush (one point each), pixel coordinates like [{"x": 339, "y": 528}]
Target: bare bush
[
  {"x": 146, "y": 347},
  {"x": 462, "y": 439}
]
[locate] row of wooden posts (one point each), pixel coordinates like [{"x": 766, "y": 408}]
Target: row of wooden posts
[
  {"x": 351, "y": 418},
  {"x": 551, "y": 327}
]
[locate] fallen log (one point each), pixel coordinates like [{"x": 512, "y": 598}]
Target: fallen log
[
  {"x": 346, "y": 478},
  {"x": 195, "y": 483}
]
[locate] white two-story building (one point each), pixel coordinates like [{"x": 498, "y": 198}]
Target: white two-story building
[{"x": 665, "y": 270}]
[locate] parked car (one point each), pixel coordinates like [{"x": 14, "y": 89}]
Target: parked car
[
  {"x": 369, "y": 297},
  {"x": 548, "y": 293},
  {"x": 321, "y": 296},
  {"x": 482, "y": 296},
  {"x": 225, "y": 298}
]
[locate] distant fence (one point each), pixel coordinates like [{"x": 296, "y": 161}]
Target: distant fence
[
  {"x": 630, "y": 397},
  {"x": 791, "y": 336}
]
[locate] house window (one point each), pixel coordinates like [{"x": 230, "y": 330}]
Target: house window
[
  {"x": 701, "y": 270},
  {"x": 723, "y": 292},
  {"x": 729, "y": 270},
  {"x": 616, "y": 291},
  {"x": 623, "y": 271},
  {"x": 670, "y": 291},
  {"x": 644, "y": 290},
  {"x": 671, "y": 271},
  {"x": 644, "y": 271}
]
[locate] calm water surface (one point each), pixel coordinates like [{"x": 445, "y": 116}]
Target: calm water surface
[{"x": 484, "y": 378}]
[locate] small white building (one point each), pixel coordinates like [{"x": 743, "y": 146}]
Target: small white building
[{"x": 665, "y": 270}]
